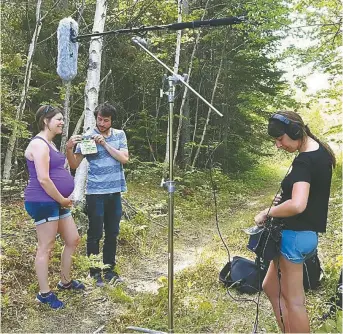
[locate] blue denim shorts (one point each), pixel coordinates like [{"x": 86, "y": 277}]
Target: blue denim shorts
[
  {"x": 43, "y": 212},
  {"x": 298, "y": 246}
]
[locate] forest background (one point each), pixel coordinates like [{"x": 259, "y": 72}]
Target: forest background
[{"x": 240, "y": 69}]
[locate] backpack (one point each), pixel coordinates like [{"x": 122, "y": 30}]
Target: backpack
[
  {"x": 245, "y": 276},
  {"x": 312, "y": 272}
]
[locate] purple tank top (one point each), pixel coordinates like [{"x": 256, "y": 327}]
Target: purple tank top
[{"x": 61, "y": 178}]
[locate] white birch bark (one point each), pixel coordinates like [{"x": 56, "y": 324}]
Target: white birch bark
[
  {"x": 176, "y": 67},
  {"x": 20, "y": 109},
  {"x": 185, "y": 92},
  {"x": 91, "y": 91}
]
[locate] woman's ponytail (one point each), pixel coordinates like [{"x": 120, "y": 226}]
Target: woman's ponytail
[{"x": 325, "y": 145}]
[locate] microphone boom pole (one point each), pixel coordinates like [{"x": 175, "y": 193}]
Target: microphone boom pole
[
  {"x": 173, "y": 26},
  {"x": 179, "y": 77}
]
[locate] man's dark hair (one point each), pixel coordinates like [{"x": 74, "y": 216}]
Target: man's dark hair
[{"x": 106, "y": 110}]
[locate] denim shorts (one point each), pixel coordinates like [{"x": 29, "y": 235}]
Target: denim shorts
[
  {"x": 298, "y": 246},
  {"x": 43, "y": 212}
]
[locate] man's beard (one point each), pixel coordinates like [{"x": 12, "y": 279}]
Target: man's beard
[{"x": 103, "y": 129}]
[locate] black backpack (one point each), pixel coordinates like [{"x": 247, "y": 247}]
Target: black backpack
[
  {"x": 312, "y": 273},
  {"x": 245, "y": 276}
]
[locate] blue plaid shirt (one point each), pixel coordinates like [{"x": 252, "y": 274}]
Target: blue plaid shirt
[{"x": 105, "y": 174}]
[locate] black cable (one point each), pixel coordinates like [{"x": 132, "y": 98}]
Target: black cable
[
  {"x": 258, "y": 261},
  {"x": 216, "y": 208},
  {"x": 279, "y": 279},
  {"x": 278, "y": 260},
  {"x": 259, "y": 295},
  {"x": 217, "y": 224}
]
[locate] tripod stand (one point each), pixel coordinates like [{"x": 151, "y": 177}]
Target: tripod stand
[{"x": 170, "y": 184}]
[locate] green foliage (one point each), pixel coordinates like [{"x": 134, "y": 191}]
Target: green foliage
[
  {"x": 133, "y": 233},
  {"x": 118, "y": 295},
  {"x": 137, "y": 170},
  {"x": 250, "y": 81},
  {"x": 323, "y": 27},
  {"x": 332, "y": 325}
]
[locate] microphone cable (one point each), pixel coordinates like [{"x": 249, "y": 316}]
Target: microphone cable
[{"x": 213, "y": 186}]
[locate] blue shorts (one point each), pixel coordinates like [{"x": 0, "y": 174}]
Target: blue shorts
[
  {"x": 298, "y": 246},
  {"x": 43, "y": 212}
]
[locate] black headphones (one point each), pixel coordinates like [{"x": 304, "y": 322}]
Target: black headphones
[{"x": 293, "y": 130}]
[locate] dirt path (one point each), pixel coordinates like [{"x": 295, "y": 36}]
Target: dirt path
[
  {"x": 144, "y": 278},
  {"x": 89, "y": 312}
]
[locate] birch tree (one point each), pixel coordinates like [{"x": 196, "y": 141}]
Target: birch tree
[
  {"x": 184, "y": 102},
  {"x": 209, "y": 109},
  {"x": 21, "y": 107},
  {"x": 27, "y": 78},
  {"x": 175, "y": 68},
  {"x": 91, "y": 90}
]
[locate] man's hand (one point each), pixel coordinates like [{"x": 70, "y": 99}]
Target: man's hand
[
  {"x": 73, "y": 140},
  {"x": 99, "y": 139}
]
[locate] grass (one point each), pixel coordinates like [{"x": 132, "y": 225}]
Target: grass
[{"x": 201, "y": 304}]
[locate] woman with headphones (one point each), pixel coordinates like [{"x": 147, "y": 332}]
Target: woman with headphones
[{"x": 303, "y": 207}]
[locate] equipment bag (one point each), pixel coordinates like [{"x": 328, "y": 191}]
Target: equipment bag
[
  {"x": 312, "y": 272},
  {"x": 265, "y": 242},
  {"x": 243, "y": 274}
]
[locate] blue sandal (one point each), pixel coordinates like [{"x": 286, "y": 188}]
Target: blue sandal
[{"x": 72, "y": 285}]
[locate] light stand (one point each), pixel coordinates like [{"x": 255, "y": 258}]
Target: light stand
[
  {"x": 170, "y": 184},
  {"x": 172, "y": 80}
]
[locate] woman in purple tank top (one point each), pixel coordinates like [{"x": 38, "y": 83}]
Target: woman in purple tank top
[{"x": 47, "y": 202}]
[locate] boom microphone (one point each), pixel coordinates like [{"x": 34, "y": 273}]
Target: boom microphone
[
  {"x": 67, "y": 49},
  {"x": 214, "y": 23},
  {"x": 173, "y": 26}
]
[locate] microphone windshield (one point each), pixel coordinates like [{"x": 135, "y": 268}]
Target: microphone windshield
[{"x": 67, "y": 49}]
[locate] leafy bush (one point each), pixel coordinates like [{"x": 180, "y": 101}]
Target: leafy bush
[{"x": 332, "y": 325}]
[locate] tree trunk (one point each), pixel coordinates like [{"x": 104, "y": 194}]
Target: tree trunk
[
  {"x": 66, "y": 117},
  {"x": 20, "y": 109},
  {"x": 195, "y": 122},
  {"x": 185, "y": 135},
  {"x": 175, "y": 69},
  {"x": 226, "y": 129},
  {"x": 91, "y": 91},
  {"x": 182, "y": 117},
  {"x": 158, "y": 106},
  {"x": 209, "y": 110}
]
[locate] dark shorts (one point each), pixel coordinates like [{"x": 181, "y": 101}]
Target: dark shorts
[
  {"x": 298, "y": 246},
  {"x": 43, "y": 212}
]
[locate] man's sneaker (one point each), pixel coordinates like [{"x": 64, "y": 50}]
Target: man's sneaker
[
  {"x": 72, "y": 285},
  {"x": 51, "y": 300},
  {"x": 98, "y": 279},
  {"x": 112, "y": 277}
]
